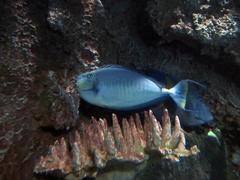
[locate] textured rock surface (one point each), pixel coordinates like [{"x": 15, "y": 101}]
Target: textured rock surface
[
  {"x": 98, "y": 146},
  {"x": 44, "y": 44},
  {"x": 211, "y": 25}
]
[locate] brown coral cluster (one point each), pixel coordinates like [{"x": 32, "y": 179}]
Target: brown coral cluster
[{"x": 97, "y": 144}]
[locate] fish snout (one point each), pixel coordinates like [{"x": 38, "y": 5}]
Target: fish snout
[{"x": 84, "y": 84}]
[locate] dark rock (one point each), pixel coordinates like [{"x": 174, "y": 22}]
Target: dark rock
[
  {"x": 236, "y": 158},
  {"x": 211, "y": 25}
]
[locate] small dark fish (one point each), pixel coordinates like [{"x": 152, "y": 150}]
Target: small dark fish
[{"x": 119, "y": 88}]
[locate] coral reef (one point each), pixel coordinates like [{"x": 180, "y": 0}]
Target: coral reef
[
  {"x": 65, "y": 96},
  {"x": 208, "y": 23},
  {"x": 214, "y": 28},
  {"x": 60, "y": 18},
  {"x": 44, "y": 44},
  {"x": 59, "y": 159},
  {"x": 97, "y": 144}
]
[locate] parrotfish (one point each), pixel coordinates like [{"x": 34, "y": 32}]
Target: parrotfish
[{"x": 120, "y": 88}]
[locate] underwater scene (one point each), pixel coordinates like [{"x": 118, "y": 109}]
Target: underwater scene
[{"x": 120, "y": 90}]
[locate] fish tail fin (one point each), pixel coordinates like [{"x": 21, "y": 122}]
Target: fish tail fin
[{"x": 184, "y": 92}]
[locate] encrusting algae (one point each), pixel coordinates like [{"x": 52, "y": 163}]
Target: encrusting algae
[{"x": 96, "y": 145}]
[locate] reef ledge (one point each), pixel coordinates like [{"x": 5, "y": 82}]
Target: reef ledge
[{"x": 95, "y": 145}]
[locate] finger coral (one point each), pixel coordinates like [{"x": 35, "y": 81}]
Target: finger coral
[{"x": 96, "y": 145}]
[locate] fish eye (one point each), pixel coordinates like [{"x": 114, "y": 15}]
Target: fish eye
[{"x": 89, "y": 76}]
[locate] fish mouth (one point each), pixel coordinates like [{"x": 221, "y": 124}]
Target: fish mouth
[
  {"x": 83, "y": 84},
  {"x": 80, "y": 82}
]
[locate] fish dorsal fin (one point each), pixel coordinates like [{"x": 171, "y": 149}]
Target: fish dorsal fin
[
  {"x": 115, "y": 66},
  {"x": 126, "y": 68}
]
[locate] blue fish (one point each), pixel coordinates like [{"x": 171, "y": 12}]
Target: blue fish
[
  {"x": 200, "y": 113},
  {"x": 120, "y": 88}
]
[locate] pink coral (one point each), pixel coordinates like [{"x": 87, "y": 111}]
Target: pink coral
[{"x": 96, "y": 144}]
